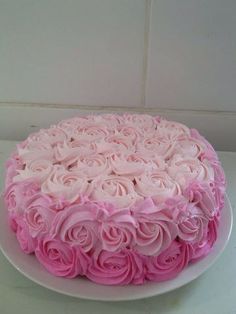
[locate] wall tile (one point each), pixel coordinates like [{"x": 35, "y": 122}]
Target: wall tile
[
  {"x": 69, "y": 52},
  {"x": 192, "y": 55}
]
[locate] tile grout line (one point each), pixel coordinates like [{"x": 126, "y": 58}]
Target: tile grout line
[
  {"x": 148, "y": 5},
  {"x": 9, "y": 105}
]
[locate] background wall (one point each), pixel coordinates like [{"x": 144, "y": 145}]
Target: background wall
[{"x": 175, "y": 58}]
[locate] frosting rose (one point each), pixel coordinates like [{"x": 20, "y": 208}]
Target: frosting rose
[
  {"x": 51, "y": 136},
  {"x": 60, "y": 259},
  {"x": 130, "y": 132},
  {"x": 158, "y": 185},
  {"x": 38, "y": 169},
  {"x": 155, "y": 227},
  {"x": 35, "y": 150},
  {"x": 17, "y": 193},
  {"x": 140, "y": 121},
  {"x": 77, "y": 226},
  {"x": 172, "y": 130},
  {"x": 169, "y": 263},
  {"x": 91, "y": 131},
  {"x": 189, "y": 147},
  {"x": 117, "y": 268},
  {"x": 204, "y": 196},
  {"x": 91, "y": 166},
  {"x": 27, "y": 243},
  {"x": 117, "y": 231},
  {"x": 203, "y": 247},
  {"x": 153, "y": 146},
  {"x": 65, "y": 185},
  {"x": 184, "y": 170},
  {"x": 38, "y": 215},
  {"x": 192, "y": 225},
  {"x": 116, "y": 190},
  {"x": 128, "y": 165}
]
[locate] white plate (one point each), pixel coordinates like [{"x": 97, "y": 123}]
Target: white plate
[{"x": 82, "y": 288}]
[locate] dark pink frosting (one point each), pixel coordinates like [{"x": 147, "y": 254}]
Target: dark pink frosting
[{"x": 60, "y": 258}]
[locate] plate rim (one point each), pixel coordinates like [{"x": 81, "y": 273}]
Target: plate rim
[{"x": 173, "y": 284}]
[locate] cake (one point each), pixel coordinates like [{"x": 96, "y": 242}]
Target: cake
[{"x": 119, "y": 199}]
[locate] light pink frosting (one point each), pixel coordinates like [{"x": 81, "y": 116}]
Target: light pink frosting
[
  {"x": 117, "y": 198},
  {"x": 114, "y": 189},
  {"x": 77, "y": 226},
  {"x": 158, "y": 185}
]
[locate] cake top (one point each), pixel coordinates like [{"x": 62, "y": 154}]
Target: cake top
[{"x": 118, "y": 159}]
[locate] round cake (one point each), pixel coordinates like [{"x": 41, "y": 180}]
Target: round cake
[{"x": 119, "y": 199}]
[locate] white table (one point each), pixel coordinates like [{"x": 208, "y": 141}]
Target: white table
[{"x": 213, "y": 292}]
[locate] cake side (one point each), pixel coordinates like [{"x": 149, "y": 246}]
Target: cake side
[{"x": 119, "y": 199}]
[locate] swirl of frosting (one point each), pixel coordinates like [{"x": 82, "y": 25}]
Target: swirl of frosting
[
  {"x": 61, "y": 259},
  {"x": 169, "y": 263},
  {"x": 153, "y": 146},
  {"x": 91, "y": 166},
  {"x": 158, "y": 185},
  {"x": 117, "y": 231},
  {"x": 52, "y": 136},
  {"x": 38, "y": 169},
  {"x": 35, "y": 150},
  {"x": 204, "y": 195},
  {"x": 172, "y": 130},
  {"x": 77, "y": 226},
  {"x": 17, "y": 193},
  {"x": 189, "y": 147},
  {"x": 154, "y": 232},
  {"x": 130, "y": 132},
  {"x": 119, "y": 143},
  {"x": 116, "y": 190},
  {"x": 192, "y": 225},
  {"x": 27, "y": 243},
  {"x": 127, "y": 165},
  {"x": 184, "y": 170},
  {"x": 38, "y": 215},
  {"x": 117, "y": 268},
  {"x": 203, "y": 247},
  {"x": 91, "y": 131},
  {"x": 65, "y": 185},
  {"x": 140, "y": 121}
]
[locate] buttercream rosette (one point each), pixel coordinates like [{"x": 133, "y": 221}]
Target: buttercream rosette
[{"x": 119, "y": 199}]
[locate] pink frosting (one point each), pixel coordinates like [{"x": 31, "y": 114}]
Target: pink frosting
[
  {"x": 204, "y": 196},
  {"x": 155, "y": 230},
  {"x": 184, "y": 169},
  {"x": 77, "y": 226},
  {"x": 117, "y": 268},
  {"x": 169, "y": 263},
  {"x": 192, "y": 225},
  {"x": 117, "y": 231},
  {"x": 16, "y": 194},
  {"x": 38, "y": 214},
  {"x": 158, "y": 185},
  {"x": 116, "y": 190},
  {"x": 27, "y": 243},
  {"x": 13, "y": 164},
  {"x": 65, "y": 184},
  {"x": 203, "y": 247},
  {"x": 61, "y": 259}
]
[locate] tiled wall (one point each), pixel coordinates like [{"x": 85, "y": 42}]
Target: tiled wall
[
  {"x": 176, "y": 58},
  {"x": 133, "y": 53}
]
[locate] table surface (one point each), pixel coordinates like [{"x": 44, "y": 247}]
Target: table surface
[{"x": 213, "y": 292}]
